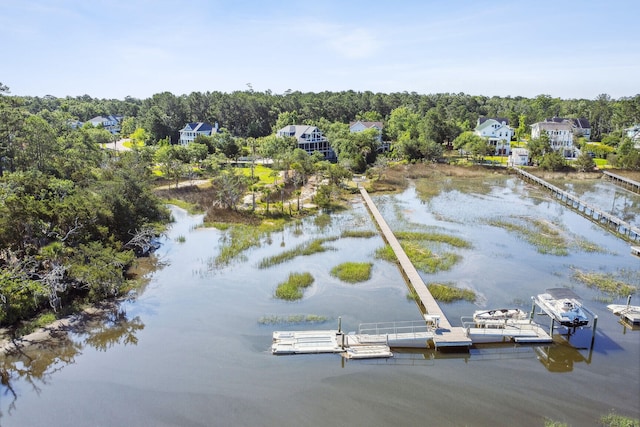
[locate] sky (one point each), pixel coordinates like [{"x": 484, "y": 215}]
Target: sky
[{"x": 117, "y": 48}]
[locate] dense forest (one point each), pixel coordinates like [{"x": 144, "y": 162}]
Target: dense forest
[
  {"x": 255, "y": 114},
  {"x": 73, "y": 215}
]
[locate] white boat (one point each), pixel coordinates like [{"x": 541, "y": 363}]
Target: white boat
[
  {"x": 501, "y": 315},
  {"x": 564, "y": 306}
]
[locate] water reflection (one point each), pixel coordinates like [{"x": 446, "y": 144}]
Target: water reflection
[
  {"x": 561, "y": 356},
  {"x": 33, "y": 361}
]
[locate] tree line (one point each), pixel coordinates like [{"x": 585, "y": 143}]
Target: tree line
[
  {"x": 72, "y": 216},
  {"x": 255, "y": 114}
]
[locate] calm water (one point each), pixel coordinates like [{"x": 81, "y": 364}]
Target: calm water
[{"x": 191, "y": 350}]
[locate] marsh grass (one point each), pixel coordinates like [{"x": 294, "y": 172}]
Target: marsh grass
[
  {"x": 546, "y": 237},
  {"x": 352, "y": 272},
  {"x": 446, "y": 292},
  {"x": 433, "y": 237},
  {"x": 423, "y": 258},
  {"x": 426, "y": 260},
  {"x": 240, "y": 237},
  {"x": 605, "y": 282},
  {"x": 614, "y": 420},
  {"x": 304, "y": 249},
  {"x": 293, "y": 319},
  {"x": 181, "y": 239},
  {"x": 359, "y": 233},
  {"x": 292, "y": 288}
]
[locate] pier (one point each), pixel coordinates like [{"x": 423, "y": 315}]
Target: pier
[
  {"x": 444, "y": 334},
  {"x": 610, "y": 222},
  {"x": 623, "y": 182}
]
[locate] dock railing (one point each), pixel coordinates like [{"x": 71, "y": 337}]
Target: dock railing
[{"x": 404, "y": 328}]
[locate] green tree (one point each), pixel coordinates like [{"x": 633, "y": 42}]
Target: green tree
[
  {"x": 584, "y": 162},
  {"x": 553, "y": 161},
  {"x": 229, "y": 186}
]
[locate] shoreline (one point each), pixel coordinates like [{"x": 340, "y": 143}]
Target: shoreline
[{"x": 55, "y": 330}]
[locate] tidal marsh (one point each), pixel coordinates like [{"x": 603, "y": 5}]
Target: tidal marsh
[
  {"x": 292, "y": 289},
  {"x": 352, "y": 272}
]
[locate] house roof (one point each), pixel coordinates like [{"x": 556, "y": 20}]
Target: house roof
[
  {"x": 198, "y": 127},
  {"x": 297, "y": 130},
  {"x": 367, "y": 125},
  {"x": 481, "y": 120},
  {"x": 565, "y": 125},
  {"x": 580, "y": 123}
]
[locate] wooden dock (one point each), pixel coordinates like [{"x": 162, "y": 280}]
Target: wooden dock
[
  {"x": 610, "y": 222},
  {"x": 623, "y": 182},
  {"x": 444, "y": 334}
]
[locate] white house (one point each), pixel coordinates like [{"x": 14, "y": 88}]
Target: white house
[
  {"x": 580, "y": 126},
  {"x": 309, "y": 138},
  {"x": 633, "y": 133},
  {"x": 497, "y": 133},
  {"x": 519, "y": 157},
  {"x": 560, "y": 136},
  {"x": 189, "y": 133},
  {"x": 359, "y": 126},
  {"x": 110, "y": 123}
]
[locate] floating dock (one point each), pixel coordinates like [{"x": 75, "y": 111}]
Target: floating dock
[{"x": 518, "y": 331}]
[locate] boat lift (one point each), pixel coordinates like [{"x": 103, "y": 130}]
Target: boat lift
[{"x": 562, "y": 293}]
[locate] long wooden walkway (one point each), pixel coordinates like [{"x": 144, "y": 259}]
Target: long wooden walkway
[
  {"x": 611, "y": 222},
  {"x": 623, "y": 182},
  {"x": 445, "y": 335}
]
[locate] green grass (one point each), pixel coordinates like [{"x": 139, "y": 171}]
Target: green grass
[
  {"x": 610, "y": 420},
  {"x": 449, "y": 293},
  {"x": 359, "y": 233},
  {"x": 545, "y": 238},
  {"x": 352, "y": 272},
  {"x": 433, "y": 237},
  {"x": 240, "y": 237},
  {"x": 304, "y": 249},
  {"x": 605, "y": 282},
  {"x": 181, "y": 239},
  {"x": 425, "y": 260},
  {"x": 614, "y": 420},
  {"x": 192, "y": 208},
  {"x": 292, "y": 288},
  {"x": 292, "y": 319},
  {"x": 263, "y": 173}
]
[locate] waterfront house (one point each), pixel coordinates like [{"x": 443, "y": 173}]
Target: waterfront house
[
  {"x": 579, "y": 126},
  {"x": 633, "y": 133},
  {"x": 497, "y": 133},
  {"x": 359, "y": 126},
  {"x": 560, "y": 136},
  {"x": 110, "y": 123},
  {"x": 309, "y": 138},
  {"x": 191, "y": 131}
]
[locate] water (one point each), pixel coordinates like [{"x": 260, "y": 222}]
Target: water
[{"x": 191, "y": 349}]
